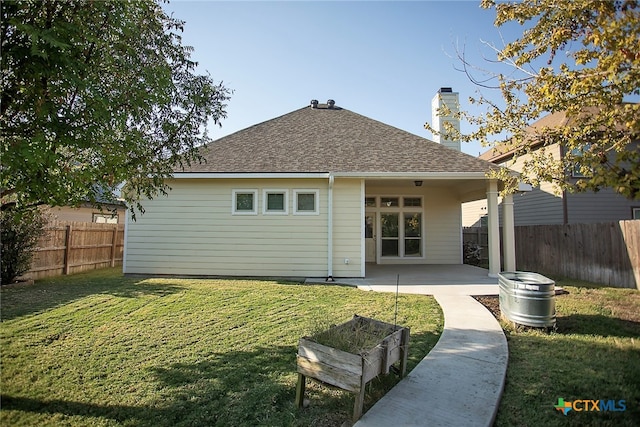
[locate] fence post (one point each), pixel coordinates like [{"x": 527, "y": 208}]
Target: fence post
[
  {"x": 67, "y": 250},
  {"x": 114, "y": 237}
]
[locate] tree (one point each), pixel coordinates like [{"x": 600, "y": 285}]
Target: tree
[
  {"x": 95, "y": 93},
  {"x": 589, "y": 51}
]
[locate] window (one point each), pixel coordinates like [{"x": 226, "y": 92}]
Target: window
[
  {"x": 412, "y": 234},
  {"x": 245, "y": 202},
  {"x": 388, "y": 202},
  {"x": 390, "y": 235},
  {"x": 275, "y": 202},
  {"x": 635, "y": 213},
  {"x": 305, "y": 202},
  {"x": 401, "y": 227},
  {"x": 576, "y": 167},
  {"x": 370, "y": 202},
  {"x": 413, "y": 201},
  {"x": 105, "y": 218}
]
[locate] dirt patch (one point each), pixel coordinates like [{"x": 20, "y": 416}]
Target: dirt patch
[{"x": 492, "y": 303}]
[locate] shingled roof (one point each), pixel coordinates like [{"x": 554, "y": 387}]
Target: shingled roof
[{"x": 327, "y": 139}]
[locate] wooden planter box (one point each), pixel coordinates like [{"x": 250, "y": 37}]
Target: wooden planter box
[{"x": 349, "y": 371}]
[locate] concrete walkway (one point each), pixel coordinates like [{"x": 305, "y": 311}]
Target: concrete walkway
[{"x": 460, "y": 381}]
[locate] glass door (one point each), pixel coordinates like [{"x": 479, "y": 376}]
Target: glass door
[{"x": 390, "y": 236}]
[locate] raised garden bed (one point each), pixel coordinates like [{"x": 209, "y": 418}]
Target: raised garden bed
[{"x": 350, "y": 355}]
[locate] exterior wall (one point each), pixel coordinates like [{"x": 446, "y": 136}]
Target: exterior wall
[
  {"x": 443, "y": 228},
  {"x": 603, "y": 206},
  {"x": 472, "y": 213},
  {"x": 540, "y": 206},
  {"x": 84, "y": 214},
  {"x": 193, "y": 232},
  {"x": 441, "y": 222},
  {"x": 348, "y": 223}
]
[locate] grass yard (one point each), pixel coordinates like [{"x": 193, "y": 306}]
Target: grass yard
[
  {"x": 104, "y": 350},
  {"x": 594, "y": 355}
]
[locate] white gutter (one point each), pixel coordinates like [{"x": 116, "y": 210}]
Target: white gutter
[
  {"x": 407, "y": 175},
  {"x": 233, "y": 175},
  {"x": 330, "y": 230},
  {"x": 386, "y": 175}
]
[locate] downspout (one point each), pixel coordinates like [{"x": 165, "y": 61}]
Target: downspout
[{"x": 330, "y": 230}]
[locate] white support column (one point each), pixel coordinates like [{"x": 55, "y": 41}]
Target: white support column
[
  {"x": 508, "y": 237},
  {"x": 493, "y": 228}
]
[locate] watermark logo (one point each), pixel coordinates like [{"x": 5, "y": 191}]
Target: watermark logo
[{"x": 590, "y": 405}]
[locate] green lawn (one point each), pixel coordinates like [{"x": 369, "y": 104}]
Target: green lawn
[
  {"x": 100, "y": 349},
  {"x": 594, "y": 355}
]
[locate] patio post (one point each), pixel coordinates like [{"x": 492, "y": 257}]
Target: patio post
[
  {"x": 493, "y": 228},
  {"x": 508, "y": 237}
]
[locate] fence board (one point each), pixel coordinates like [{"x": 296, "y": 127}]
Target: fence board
[
  {"x": 72, "y": 247},
  {"x": 606, "y": 253}
]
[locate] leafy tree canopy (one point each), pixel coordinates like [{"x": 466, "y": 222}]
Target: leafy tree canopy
[
  {"x": 590, "y": 56},
  {"x": 95, "y": 93}
]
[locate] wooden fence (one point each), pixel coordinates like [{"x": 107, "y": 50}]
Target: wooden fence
[
  {"x": 606, "y": 253},
  {"x": 73, "y": 247}
]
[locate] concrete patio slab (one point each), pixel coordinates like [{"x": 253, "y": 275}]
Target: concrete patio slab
[{"x": 426, "y": 279}]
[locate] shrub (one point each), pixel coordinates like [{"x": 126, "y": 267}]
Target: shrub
[{"x": 19, "y": 233}]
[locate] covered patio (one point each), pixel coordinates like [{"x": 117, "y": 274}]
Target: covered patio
[{"x": 426, "y": 279}]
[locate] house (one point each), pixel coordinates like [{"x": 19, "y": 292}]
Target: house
[
  {"x": 111, "y": 213},
  {"x": 543, "y": 205},
  {"x": 318, "y": 192}
]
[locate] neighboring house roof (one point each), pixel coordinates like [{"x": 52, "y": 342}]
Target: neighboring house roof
[
  {"x": 327, "y": 139},
  {"x": 504, "y": 151}
]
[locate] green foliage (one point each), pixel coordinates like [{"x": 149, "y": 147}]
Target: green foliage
[
  {"x": 95, "y": 93},
  {"x": 579, "y": 58},
  {"x": 19, "y": 233}
]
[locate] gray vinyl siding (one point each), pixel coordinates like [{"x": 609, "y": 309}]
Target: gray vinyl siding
[
  {"x": 603, "y": 206},
  {"x": 537, "y": 207}
]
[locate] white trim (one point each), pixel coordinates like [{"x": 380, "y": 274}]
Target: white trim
[
  {"x": 234, "y": 203},
  {"x": 401, "y": 210},
  {"x": 330, "y": 228},
  {"x": 265, "y": 201},
  {"x": 405, "y": 175},
  {"x": 363, "y": 213},
  {"x": 316, "y": 201},
  {"x": 493, "y": 228},
  {"x": 233, "y": 175},
  {"x": 508, "y": 236},
  {"x": 126, "y": 241},
  {"x": 386, "y": 175}
]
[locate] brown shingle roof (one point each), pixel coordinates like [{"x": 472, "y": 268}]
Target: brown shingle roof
[
  {"x": 330, "y": 140},
  {"x": 554, "y": 120}
]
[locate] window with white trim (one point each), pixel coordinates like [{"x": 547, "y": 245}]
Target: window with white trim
[
  {"x": 245, "y": 202},
  {"x": 101, "y": 218},
  {"x": 635, "y": 213},
  {"x": 401, "y": 227},
  {"x": 305, "y": 202},
  {"x": 275, "y": 202}
]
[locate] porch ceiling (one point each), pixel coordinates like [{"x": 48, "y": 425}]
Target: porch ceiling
[{"x": 467, "y": 189}]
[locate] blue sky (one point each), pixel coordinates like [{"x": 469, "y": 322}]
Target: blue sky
[{"x": 384, "y": 60}]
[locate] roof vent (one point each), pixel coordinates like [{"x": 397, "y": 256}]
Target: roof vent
[
  {"x": 331, "y": 103},
  {"x": 445, "y": 90},
  {"x": 314, "y": 103}
]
